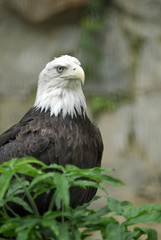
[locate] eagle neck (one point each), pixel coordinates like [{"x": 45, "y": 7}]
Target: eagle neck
[{"x": 68, "y": 101}]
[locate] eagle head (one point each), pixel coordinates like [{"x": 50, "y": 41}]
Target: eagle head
[{"x": 60, "y": 87}]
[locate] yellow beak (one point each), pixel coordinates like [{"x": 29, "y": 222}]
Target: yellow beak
[{"x": 79, "y": 73}]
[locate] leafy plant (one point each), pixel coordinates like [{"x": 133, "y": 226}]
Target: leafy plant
[
  {"x": 99, "y": 104},
  {"x": 64, "y": 222},
  {"x": 91, "y": 38}
]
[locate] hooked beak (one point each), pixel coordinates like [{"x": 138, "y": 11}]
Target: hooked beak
[{"x": 78, "y": 73}]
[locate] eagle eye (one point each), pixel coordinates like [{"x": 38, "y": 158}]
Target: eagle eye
[{"x": 60, "y": 69}]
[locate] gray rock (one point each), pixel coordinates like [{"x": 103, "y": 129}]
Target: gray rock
[
  {"x": 38, "y": 10},
  {"x": 141, "y": 28},
  {"x": 148, "y": 70},
  {"x": 132, "y": 137},
  {"x": 118, "y": 153},
  {"x": 116, "y": 59},
  {"x": 149, "y": 9},
  {"x": 114, "y": 66},
  {"x": 147, "y": 125},
  {"x": 26, "y": 50}
]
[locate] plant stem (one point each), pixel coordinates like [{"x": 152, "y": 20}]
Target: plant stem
[
  {"x": 13, "y": 212},
  {"x": 32, "y": 202},
  {"x": 52, "y": 201},
  {"x": 4, "y": 210}
]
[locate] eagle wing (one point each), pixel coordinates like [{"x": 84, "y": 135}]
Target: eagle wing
[
  {"x": 92, "y": 159},
  {"x": 26, "y": 138}
]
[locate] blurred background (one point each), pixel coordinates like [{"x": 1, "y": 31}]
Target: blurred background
[{"x": 119, "y": 45}]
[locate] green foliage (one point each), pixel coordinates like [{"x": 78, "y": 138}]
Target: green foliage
[
  {"x": 64, "y": 222},
  {"x": 92, "y": 31},
  {"x": 92, "y": 24},
  {"x": 99, "y": 104}
]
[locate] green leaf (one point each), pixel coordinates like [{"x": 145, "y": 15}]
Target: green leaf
[
  {"x": 4, "y": 182},
  {"x": 75, "y": 233},
  {"x": 51, "y": 223},
  {"x": 132, "y": 235},
  {"x": 26, "y": 160},
  {"x": 16, "y": 188},
  {"x": 96, "y": 176},
  {"x": 114, "y": 231},
  {"x": 63, "y": 232},
  {"x": 101, "y": 169},
  {"x": 151, "y": 233},
  {"x": 112, "y": 180},
  {"x": 135, "y": 211},
  {"x": 9, "y": 164},
  {"x": 45, "y": 177},
  {"x": 27, "y": 223},
  {"x": 41, "y": 189},
  {"x": 117, "y": 206},
  {"x": 23, "y": 234},
  {"x": 62, "y": 186},
  {"x": 22, "y": 203},
  {"x": 55, "y": 167},
  {"x": 148, "y": 218},
  {"x": 28, "y": 170},
  {"x": 74, "y": 169},
  {"x": 93, "y": 218},
  {"x": 8, "y": 228},
  {"x": 85, "y": 183}
]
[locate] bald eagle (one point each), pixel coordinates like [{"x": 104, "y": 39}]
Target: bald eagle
[{"x": 56, "y": 129}]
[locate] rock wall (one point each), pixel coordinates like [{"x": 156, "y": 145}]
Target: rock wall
[
  {"x": 135, "y": 128},
  {"x": 38, "y": 11}
]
